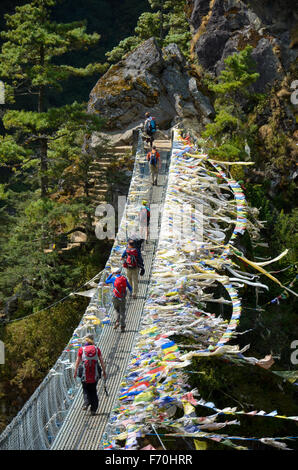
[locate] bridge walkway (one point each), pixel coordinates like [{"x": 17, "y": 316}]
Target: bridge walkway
[{"x": 80, "y": 430}]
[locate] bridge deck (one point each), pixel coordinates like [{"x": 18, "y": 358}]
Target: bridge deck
[{"x": 80, "y": 431}]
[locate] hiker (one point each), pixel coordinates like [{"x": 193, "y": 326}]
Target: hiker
[
  {"x": 137, "y": 241},
  {"x": 150, "y": 128},
  {"x": 120, "y": 283},
  {"x": 88, "y": 369},
  {"x": 133, "y": 261},
  {"x": 144, "y": 219},
  {"x": 153, "y": 158}
]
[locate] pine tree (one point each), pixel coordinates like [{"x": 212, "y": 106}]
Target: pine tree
[
  {"x": 30, "y": 68},
  {"x": 234, "y": 98},
  {"x": 39, "y": 145},
  {"x": 167, "y": 23}
]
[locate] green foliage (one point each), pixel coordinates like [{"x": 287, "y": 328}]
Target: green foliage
[
  {"x": 229, "y": 131},
  {"x": 286, "y": 236},
  {"x": 148, "y": 25},
  {"x": 113, "y": 19},
  {"x": 31, "y": 348},
  {"x": 32, "y": 43},
  {"x": 236, "y": 77},
  {"x": 167, "y": 23},
  {"x": 26, "y": 268},
  {"x": 125, "y": 46},
  {"x": 38, "y": 149},
  {"x": 224, "y": 123},
  {"x": 178, "y": 30},
  {"x": 71, "y": 116},
  {"x": 247, "y": 387},
  {"x": 256, "y": 194},
  {"x": 10, "y": 151}
]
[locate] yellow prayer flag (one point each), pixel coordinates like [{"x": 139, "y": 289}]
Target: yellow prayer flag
[
  {"x": 188, "y": 408},
  {"x": 200, "y": 445}
]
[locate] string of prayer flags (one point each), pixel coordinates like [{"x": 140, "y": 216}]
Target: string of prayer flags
[{"x": 189, "y": 260}]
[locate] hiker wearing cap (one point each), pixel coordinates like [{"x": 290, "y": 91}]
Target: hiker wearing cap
[
  {"x": 144, "y": 220},
  {"x": 120, "y": 283},
  {"x": 133, "y": 261},
  {"x": 149, "y": 128},
  {"x": 90, "y": 372},
  {"x": 153, "y": 158}
]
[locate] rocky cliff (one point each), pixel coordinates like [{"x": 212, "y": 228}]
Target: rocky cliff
[
  {"x": 222, "y": 27},
  {"x": 163, "y": 82},
  {"x": 148, "y": 79}
]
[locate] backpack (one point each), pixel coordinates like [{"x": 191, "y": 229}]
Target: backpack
[
  {"x": 153, "y": 158},
  {"x": 131, "y": 259},
  {"x": 152, "y": 124},
  {"x": 89, "y": 369},
  {"x": 120, "y": 287}
]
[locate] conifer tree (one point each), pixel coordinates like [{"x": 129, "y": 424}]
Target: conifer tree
[
  {"x": 166, "y": 22},
  {"x": 233, "y": 99},
  {"x": 30, "y": 67},
  {"x": 39, "y": 144}
]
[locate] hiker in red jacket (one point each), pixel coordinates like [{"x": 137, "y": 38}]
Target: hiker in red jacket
[
  {"x": 153, "y": 158},
  {"x": 120, "y": 283},
  {"x": 133, "y": 261},
  {"x": 89, "y": 372}
]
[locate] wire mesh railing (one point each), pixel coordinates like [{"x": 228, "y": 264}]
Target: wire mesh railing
[{"x": 37, "y": 424}]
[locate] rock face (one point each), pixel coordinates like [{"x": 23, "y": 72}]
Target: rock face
[
  {"x": 160, "y": 81},
  {"x": 148, "y": 79},
  {"x": 222, "y": 27}
]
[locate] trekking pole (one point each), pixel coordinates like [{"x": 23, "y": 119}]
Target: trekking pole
[{"x": 105, "y": 387}]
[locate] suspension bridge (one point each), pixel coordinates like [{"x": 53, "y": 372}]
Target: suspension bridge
[
  {"x": 53, "y": 417},
  {"x": 145, "y": 379}
]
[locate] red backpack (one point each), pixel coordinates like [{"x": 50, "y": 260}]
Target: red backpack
[
  {"x": 90, "y": 371},
  {"x": 120, "y": 287},
  {"x": 131, "y": 260}
]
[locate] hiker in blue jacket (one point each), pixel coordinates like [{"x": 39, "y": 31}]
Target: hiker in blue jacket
[{"x": 120, "y": 283}]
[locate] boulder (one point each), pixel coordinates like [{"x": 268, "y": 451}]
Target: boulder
[
  {"x": 147, "y": 79},
  {"x": 201, "y": 101}
]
